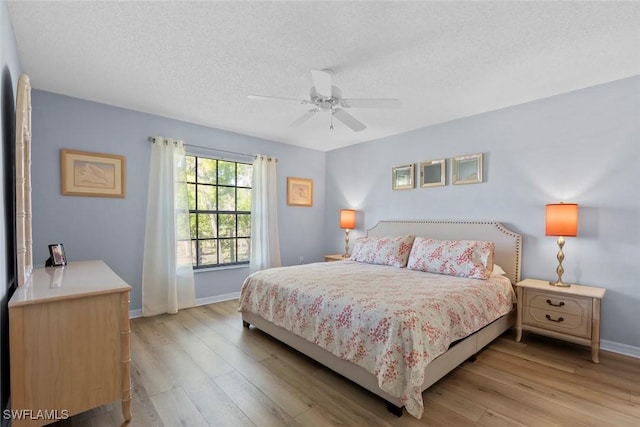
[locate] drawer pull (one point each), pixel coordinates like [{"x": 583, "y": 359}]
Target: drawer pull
[
  {"x": 555, "y": 305},
  {"x": 559, "y": 319}
]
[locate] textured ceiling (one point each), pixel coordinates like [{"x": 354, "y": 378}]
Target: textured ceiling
[{"x": 198, "y": 61}]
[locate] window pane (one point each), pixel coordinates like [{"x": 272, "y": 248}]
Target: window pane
[
  {"x": 206, "y": 171},
  {"x": 194, "y": 252},
  {"x": 183, "y": 225},
  {"x": 206, "y": 198},
  {"x": 208, "y": 252},
  {"x": 226, "y": 173},
  {"x": 227, "y": 251},
  {"x": 244, "y": 246},
  {"x": 206, "y": 226},
  {"x": 244, "y": 225},
  {"x": 244, "y": 199},
  {"x": 182, "y": 251},
  {"x": 227, "y": 198},
  {"x": 191, "y": 192},
  {"x": 227, "y": 225},
  {"x": 190, "y": 168},
  {"x": 245, "y": 173},
  {"x": 192, "y": 225}
]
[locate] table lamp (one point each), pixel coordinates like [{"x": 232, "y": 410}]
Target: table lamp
[
  {"x": 348, "y": 222},
  {"x": 561, "y": 221}
]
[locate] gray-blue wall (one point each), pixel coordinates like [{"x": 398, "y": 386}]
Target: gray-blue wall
[
  {"x": 581, "y": 147},
  {"x": 113, "y": 229},
  {"x": 10, "y": 66}
]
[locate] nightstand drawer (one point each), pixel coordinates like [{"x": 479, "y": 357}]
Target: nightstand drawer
[
  {"x": 561, "y": 322},
  {"x": 576, "y": 306}
]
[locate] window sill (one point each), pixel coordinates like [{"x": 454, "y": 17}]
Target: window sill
[{"x": 224, "y": 267}]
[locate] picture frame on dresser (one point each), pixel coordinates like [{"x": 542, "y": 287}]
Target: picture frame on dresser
[{"x": 57, "y": 257}]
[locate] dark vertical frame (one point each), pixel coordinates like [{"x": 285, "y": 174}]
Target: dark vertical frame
[{"x": 8, "y": 120}]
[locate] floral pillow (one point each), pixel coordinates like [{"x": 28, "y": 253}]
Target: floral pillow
[
  {"x": 465, "y": 258},
  {"x": 392, "y": 251}
]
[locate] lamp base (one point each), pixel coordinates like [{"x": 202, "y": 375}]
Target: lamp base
[{"x": 560, "y": 284}]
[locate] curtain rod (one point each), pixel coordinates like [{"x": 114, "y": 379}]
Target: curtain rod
[{"x": 152, "y": 139}]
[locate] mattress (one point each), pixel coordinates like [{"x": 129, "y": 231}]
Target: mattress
[{"x": 390, "y": 321}]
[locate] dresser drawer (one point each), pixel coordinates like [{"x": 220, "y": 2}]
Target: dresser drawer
[
  {"x": 574, "y": 305},
  {"x": 554, "y": 321}
]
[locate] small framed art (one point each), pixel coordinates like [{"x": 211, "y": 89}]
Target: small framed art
[
  {"x": 433, "y": 173},
  {"x": 402, "y": 177},
  {"x": 57, "y": 256},
  {"x": 467, "y": 169},
  {"x": 299, "y": 191},
  {"x": 92, "y": 174}
]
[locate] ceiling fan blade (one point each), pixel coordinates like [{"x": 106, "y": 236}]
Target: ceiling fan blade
[
  {"x": 306, "y": 116},
  {"x": 322, "y": 82},
  {"x": 371, "y": 103},
  {"x": 276, "y": 98},
  {"x": 348, "y": 120}
]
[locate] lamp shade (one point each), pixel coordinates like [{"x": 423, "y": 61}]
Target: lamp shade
[
  {"x": 347, "y": 218},
  {"x": 562, "y": 219}
]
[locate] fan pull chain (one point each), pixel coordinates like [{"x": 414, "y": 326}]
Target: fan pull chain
[{"x": 332, "y": 112}]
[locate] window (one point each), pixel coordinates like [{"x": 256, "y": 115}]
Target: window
[{"x": 219, "y": 211}]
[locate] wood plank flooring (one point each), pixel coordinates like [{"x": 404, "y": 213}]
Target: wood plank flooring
[{"x": 200, "y": 367}]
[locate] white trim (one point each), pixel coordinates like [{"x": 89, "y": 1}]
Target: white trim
[
  {"x": 200, "y": 301},
  {"x": 217, "y": 298},
  {"x": 616, "y": 347}
]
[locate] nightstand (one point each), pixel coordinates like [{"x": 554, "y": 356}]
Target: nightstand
[
  {"x": 334, "y": 257},
  {"x": 571, "y": 314}
]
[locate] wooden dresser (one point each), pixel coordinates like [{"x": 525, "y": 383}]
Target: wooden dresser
[{"x": 69, "y": 343}]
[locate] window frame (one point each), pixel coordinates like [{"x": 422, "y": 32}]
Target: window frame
[{"x": 217, "y": 239}]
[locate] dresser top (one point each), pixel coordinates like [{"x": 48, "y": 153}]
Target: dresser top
[
  {"x": 575, "y": 290},
  {"x": 75, "y": 280}
]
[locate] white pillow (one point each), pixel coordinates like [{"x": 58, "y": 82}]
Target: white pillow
[{"x": 498, "y": 271}]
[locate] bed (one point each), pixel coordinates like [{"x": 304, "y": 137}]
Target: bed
[{"x": 411, "y": 331}]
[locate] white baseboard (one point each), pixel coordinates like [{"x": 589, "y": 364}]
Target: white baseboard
[
  {"x": 616, "y": 347},
  {"x": 200, "y": 301}
]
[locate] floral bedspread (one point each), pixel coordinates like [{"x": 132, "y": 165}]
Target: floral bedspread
[{"x": 390, "y": 321}]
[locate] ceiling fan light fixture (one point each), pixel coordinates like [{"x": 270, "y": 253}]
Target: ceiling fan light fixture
[{"x": 326, "y": 97}]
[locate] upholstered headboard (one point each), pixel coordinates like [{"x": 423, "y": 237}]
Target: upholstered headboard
[{"x": 508, "y": 244}]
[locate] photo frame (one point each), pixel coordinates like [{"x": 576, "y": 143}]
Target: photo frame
[
  {"x": 57, "y": 257},
  {"x": 92, "y": 174},
  {"x": 433, "y": 173},
  {"x": 467, "y": 169},
  {"x": 402, "y": 177},
  {"x": 299, "y": 191}
]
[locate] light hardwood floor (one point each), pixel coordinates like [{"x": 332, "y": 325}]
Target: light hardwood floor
[{"x": 200, "y": 367}]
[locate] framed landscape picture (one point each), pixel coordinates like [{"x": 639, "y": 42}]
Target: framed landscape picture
[
  {"x": 92, "y": 174},
  {"x": 299, "y": 191}
]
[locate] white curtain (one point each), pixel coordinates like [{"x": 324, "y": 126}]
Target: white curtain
[
  {"x": 167, "y": 272},
  {"x": 265, "y": 244}
]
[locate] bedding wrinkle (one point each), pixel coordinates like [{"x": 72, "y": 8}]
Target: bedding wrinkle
[{"x": 390, "y": 321}]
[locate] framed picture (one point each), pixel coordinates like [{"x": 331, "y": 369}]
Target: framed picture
[
  {"x": 57, "y": 256},
  {"x": 402, "y": 177},
  {"x": 433, "y": 173},
  {"x": 92, "y": 174},
  {"x": 467, "y": 169},
  {"x": 299, "y": 191}
]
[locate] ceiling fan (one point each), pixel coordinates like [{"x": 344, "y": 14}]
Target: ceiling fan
[{"x": 323, "y": 96}]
